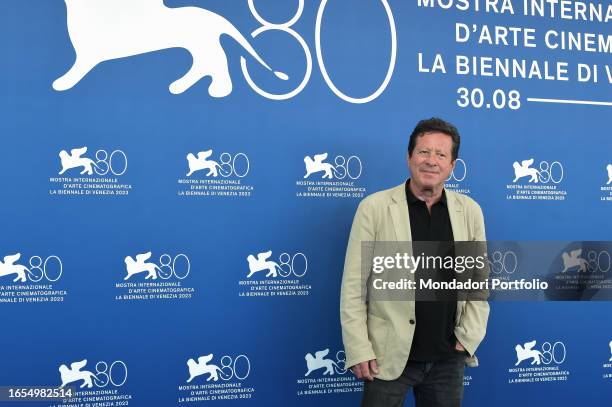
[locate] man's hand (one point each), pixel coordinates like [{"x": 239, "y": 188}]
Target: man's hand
[
  {"x": 366, "y": 370},
  {"x": 459, "y": 347}
]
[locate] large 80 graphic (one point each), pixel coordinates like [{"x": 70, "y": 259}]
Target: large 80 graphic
[{"x": 286, "y": 27}]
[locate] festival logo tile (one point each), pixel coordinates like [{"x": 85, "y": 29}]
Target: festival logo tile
[
  {"x": 270, "y": 275},
  {"x": 539, "y": 363},
  {"x": 326, "y": 374},
  {"x": 211, "y": 378},
  {"x": 225, "y": 175},
  {"x": 97, "y": 383},
  {"x": 607, "y": 365},
  {"x": 582, "y": 268},
  {"x": 148, "y": 278},
  {"x": 541, "y": 181},
  {"x": 31, "y": 279},
  {"x": 102, "y": 173},
  {"x": 458, "y": 180},
  {"x": 327, "y": 177},
  {"x": 606, "y": 190}
]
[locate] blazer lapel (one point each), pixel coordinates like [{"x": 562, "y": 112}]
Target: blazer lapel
[
  {"x": 460, "y": 234},
  {"x": 399, "y": 214},
  {"x": 457, "y": 217},
  {"x": 403, "y": 236}
]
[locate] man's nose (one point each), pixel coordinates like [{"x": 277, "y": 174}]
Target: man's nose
[{"x": 431, "y": 160}]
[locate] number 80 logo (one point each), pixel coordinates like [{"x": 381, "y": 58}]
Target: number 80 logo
[
  {"x": 286, "y": 28},
  {"x": 40, "y": 269},
  {"x": 459, "y": 172}
]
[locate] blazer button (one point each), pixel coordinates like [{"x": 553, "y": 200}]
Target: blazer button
[{"x": 412, "y": 322}]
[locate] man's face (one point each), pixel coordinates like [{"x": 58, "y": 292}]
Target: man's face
[{"x": 431, "y": 163}]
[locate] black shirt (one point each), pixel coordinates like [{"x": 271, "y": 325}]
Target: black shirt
[{"x": 434, "y": 337}]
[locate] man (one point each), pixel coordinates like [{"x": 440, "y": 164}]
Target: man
[{"x": 398, "y": 345}]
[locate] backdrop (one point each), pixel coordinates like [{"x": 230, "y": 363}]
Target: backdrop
[{"x": 179, "y": 179}]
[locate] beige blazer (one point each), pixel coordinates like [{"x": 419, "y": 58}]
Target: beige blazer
[{"x": 381, "y": 329}]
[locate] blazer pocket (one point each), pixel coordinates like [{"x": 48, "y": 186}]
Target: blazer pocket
[{"x": 378, "y": 331}]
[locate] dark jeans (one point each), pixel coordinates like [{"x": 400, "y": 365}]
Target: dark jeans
[{"x": 435, "y": 384}]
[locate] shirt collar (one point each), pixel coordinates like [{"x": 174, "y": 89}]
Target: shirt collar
[{"x": 412, "y": 199}]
